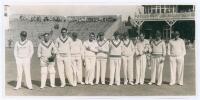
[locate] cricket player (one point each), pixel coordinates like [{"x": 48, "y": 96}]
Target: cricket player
[
  {"x": 23, "y": 52},
  {"x": 90, "y": 50},
  {"x": 64, "y": 57},
  {"x": 157, "y": 59},
  {"x": 47, "y": 53},
  {"x": 176, "y": 51},
  {"x": 143, "y": 48},
  {"x": 76, "y": 49},
  {"x": 127, "y": 59},
  {"x": 116, "y": 47},
  {"x": 102, "y": 55}
]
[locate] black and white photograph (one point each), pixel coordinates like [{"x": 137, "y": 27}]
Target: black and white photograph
[{"x": 100, "y": 50}]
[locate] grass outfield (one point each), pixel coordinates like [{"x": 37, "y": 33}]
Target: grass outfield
[{"x": 188, "y": 89}]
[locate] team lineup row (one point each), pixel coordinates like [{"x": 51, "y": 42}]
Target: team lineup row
[{"x": 70, "y": 55}]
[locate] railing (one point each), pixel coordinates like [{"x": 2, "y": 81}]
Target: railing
[{"x": 164, "y": 16}]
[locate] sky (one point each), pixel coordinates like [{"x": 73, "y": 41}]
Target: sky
[{"x": 75, "y": 10}]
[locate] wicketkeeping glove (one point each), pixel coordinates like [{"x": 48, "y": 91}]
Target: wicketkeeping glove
[{"x": 51, "y": 59}]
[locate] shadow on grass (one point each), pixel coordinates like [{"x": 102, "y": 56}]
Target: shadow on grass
[{"x": 58, "y": 83}]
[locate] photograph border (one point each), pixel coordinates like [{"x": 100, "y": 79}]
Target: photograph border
[{"x": 119, "y": 2}]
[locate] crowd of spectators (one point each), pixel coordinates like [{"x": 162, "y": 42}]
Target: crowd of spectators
[{"x": 68, "y": 18}]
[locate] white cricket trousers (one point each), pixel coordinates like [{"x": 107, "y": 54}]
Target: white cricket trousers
[
  {"x": 115, "y": 65},
  {"x": 140, "y": 69},
  {"x": 157, "y": 69},
  {"x": 176, "y": 63},
  {"x": 101, "y": 70},
  {"x": 47, "y": 67},
  {"x": 90, "y": 69},
  {"x": 127, "y": 63},
  {"x": 77, "y": 68},
  {"x": 65, "y": 68},
  {"x": 23, "y": 64}
]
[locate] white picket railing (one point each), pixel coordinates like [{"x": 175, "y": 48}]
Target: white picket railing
[{"x": 163, "y": 16}]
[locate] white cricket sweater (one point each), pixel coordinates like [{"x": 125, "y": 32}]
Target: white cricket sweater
[
  {"x": 76, "y": 47},
  {"x": 46, "y": 49},
  {"x": 116, "y": 47},
  {"x": 128, "y": 48},
  {"x": 142, "y": 47},
  {"x": 176, "y": 47},
  {"x": 158, "y": 47},
  {"x": 23, "y": 49},
  {"x": 92, "y": 48},
  {"x": 103, "y": 46},
  {"x": 63, "y": 46}
]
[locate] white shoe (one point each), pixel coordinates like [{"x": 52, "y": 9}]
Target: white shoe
[
  {"x": 82, "y": 83},
  {"x": 136, "y": 83},
  {"x": 118, "y": 84},
  {"x": 158, "y": 84},
  {"x": 91, "y": 83},
  {"x": 53, "y": 86},
  {"x": 125, "y": 83},
  {"x": 16, "y": 88},
  {"x": 63, "y": 85},
  {"x": 110, "y": 84},
  {"x": 131, "y": 83},
  {"x": 150, "y": 83},
  {"x": 96, "y": 83},
  {"x": 42, "y": 87},
  {"x": 74, "y": 85},
  {"x": 103, "y": 83},
  {"x": 171, "y": 84},
  {"x": 86, "y": 82},
  {"x": 141, "y": 83},
  {"x": 30, "y": 88},
  {"x": 180, "y": 84}
]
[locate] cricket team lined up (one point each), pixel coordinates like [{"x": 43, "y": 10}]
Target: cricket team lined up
[{"x": 96, "y": 54}]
